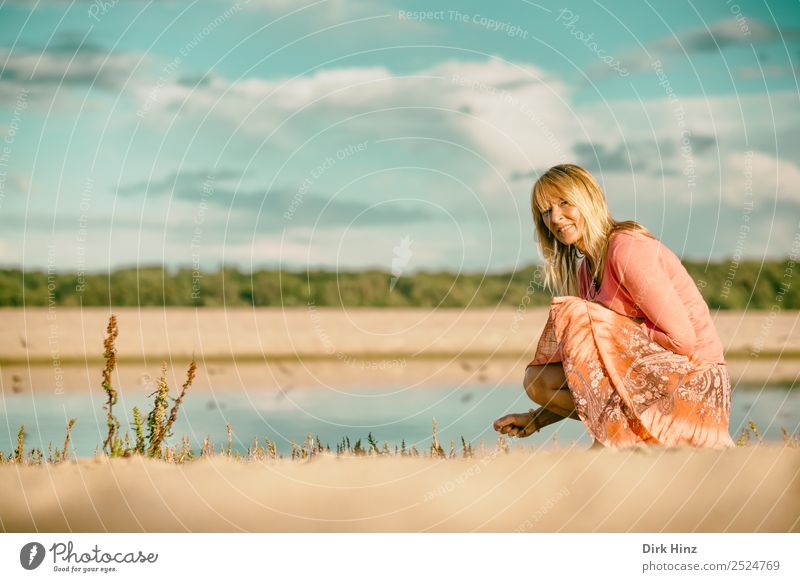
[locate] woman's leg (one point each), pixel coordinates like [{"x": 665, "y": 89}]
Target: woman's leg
[{"x": 547, "y": 386}]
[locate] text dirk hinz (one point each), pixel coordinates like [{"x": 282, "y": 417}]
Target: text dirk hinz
[{"x": 673, "y": 549}]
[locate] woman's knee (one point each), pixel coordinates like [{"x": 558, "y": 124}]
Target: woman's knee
[
  {"x": 534, "y": 384},
  {"x": 541, "y": 381}
]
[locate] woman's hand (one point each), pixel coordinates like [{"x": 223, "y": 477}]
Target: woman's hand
[{"x": 519, "y": 424}]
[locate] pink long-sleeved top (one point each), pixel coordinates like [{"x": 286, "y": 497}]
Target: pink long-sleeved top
[{"x": 645, "y": 279}]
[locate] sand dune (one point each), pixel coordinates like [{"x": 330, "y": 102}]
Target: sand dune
[{"x": 742, "y": 490}]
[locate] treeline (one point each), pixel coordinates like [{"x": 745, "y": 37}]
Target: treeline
[{"x": 748, "y": 285}]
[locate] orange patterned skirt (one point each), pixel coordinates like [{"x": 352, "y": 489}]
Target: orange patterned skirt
[{"x": 629, "y": 390}]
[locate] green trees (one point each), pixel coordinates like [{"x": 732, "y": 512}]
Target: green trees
[{"x": 727, "y": 285}]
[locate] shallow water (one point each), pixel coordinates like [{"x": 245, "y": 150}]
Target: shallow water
[{"x": 389, "y": 414}]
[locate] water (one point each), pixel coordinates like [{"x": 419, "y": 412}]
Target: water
[{"x": 389, "y": 414}]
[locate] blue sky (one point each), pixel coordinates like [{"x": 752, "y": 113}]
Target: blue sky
[{"x": 298, "y": 134}]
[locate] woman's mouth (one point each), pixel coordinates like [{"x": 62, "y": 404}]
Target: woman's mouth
[{"x": 565, "y": 229}]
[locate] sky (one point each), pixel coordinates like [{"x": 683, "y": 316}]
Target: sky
[{"x": 402, "y": 136}]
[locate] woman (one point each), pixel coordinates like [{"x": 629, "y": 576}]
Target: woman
[{"x": 629, "y": 347}]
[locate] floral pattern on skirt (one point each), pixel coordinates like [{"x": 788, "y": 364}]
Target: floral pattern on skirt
[{"x": 629, "y": 390}]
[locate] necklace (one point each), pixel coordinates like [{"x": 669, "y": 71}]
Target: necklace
[{"x": 593, "y": 289}]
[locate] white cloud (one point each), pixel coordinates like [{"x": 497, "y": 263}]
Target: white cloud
[
  {"x": 736, "y": 30},
  {"x": 730, "y": 31},
  {"x": 325, "y": 11},
  {"x": 735, "y": 122},
  {"x": 773, "y": 71},
  {"x": 346, "y": 249},
  {"x": 47, "y": 71},
  {"x": 515, "y": 116},
  {"x": 9, "y": 254},
  {"x": 766, "y": 177},
  {"x": 518, "y": 119}
]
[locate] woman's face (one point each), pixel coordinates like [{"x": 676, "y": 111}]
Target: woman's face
[{"x": 564, "y": 221}]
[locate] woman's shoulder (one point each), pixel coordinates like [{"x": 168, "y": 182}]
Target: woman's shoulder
[
  {"x": 631, "y": 241},
  {"x": 628, "y": 249}
]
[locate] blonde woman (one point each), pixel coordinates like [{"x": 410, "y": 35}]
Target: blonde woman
[{"x": 629, "y": 348}]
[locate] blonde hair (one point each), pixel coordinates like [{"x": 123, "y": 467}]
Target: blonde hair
[{"x": 578, "y": 188}]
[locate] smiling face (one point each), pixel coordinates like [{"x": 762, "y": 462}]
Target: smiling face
[
  {"x": 571, "y": 218},
  {"x": 563, "y": 220}
]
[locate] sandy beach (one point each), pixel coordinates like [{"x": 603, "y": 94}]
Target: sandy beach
[
  {"x": 755, "y": 489},
  {"x": 748, "y": 489},
  {"x": 59, "y": 351}
]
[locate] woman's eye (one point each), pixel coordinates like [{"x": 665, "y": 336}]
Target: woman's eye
[{"x": 564, "y": 203}]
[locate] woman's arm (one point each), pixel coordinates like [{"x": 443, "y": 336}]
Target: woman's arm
[{"x": 640, "y": 268}]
